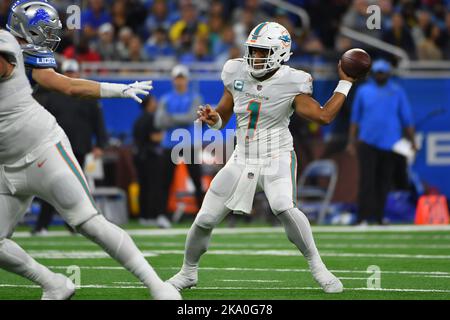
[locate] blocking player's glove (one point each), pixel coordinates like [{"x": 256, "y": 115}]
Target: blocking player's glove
[{"x": 118, "y": 90}]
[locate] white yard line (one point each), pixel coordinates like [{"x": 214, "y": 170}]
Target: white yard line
[
  {"x": 57, "y": 254},
  {"x": 263, "y": 230},
  {"x": 97, "y": 286},
  {"x": 286, "y": 245},
  {"x": 337, "y": 271},
  {"x": 248, "y": 280}
]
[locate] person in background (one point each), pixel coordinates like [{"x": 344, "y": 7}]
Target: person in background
[
  {"x": 105, "y": 46},
  {"x": 148, "y": 162},
  {"x": 158, "y": 46},
  {"x": 381, "y": 115},
  {"x": 93, "y": 17},
  {"x": 178, "y": 110},
  {"x": 81, "y": 119}
]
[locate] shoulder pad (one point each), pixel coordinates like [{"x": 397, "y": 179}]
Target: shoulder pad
[
  {"x": 38, "y": 57},
  {"x": 302, "y": 80},
  {"x": 233, "y": 65}
]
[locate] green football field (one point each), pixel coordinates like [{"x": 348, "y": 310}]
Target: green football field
[{"x": 255, "y": 263}]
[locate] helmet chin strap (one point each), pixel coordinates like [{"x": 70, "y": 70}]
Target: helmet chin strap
[{"x": 260, "y": 73}]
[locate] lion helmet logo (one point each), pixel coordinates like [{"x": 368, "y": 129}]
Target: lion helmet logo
[{"x": 40, "y": 15}]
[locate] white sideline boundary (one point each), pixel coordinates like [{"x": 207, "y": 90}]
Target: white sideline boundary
[{"x": 263, "y": 230}]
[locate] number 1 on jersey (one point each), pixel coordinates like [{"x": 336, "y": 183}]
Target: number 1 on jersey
[{"x": 253, "y": 107}]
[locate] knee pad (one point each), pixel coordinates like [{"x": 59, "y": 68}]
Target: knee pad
[
  {"x": 281, "y": 203},
  {"x": 206, "y": 220}
]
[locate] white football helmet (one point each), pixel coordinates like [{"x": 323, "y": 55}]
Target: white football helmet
[{"x": 272, "y": 36}]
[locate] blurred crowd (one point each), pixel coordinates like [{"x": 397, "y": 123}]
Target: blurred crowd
[{"x": 190, "y": 31}]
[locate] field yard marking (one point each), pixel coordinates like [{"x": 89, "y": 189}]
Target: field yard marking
[
  {"x": 247, "y": 245},
  {"x": 352, "y": 278},
  {"x": 98, "y": 286},
  {"x": 314, "y": 288},
  {"x": 247, "y": 280},
  {"x": 433, "y": 276},
  {"x": 262, "y": 230},
  {"x": 56, "y": 254},
  {"x": 406, "y": 272},
  {"x": 296, "y": 253}
]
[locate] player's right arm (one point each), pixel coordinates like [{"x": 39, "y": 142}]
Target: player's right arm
[
  {"x": 51, "y": 80},
  {"x": 307, "y": 107}
]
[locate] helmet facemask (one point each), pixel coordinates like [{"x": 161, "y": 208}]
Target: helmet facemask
[
  {"x": 260, "y": 66},
  {"x": 275, "y": 39}
]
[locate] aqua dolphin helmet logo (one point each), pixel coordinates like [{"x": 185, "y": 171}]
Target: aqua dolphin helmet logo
[{"x": 285, "y": 38}]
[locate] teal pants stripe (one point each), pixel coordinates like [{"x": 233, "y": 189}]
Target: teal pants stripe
[
  {"x": 294, "y": 177},
  {"x": 74, "y": 169}
]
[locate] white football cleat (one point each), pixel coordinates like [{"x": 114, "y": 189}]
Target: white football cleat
[
  {"x": 60, "y": 288},
  {"x": 184, "y": 280},
  {"x": 162, "y": 222},
  {"x": 328, "y": 281},
  {"x": 166, "y": 292}
]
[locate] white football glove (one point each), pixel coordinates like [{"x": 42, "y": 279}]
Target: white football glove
[{"x": 118, "y": 90}]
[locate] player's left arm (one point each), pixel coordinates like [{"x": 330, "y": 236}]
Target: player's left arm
[
  {"x": 307, "y": 107},
  {"x": 50, "y": 79}
]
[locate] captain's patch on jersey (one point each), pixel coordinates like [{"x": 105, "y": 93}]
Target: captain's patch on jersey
[{"x": 238, "y": 85}]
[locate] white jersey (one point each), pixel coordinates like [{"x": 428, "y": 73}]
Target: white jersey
[
  {"x": 25, "y": 126},
  {"x": 263, "y": 108}
]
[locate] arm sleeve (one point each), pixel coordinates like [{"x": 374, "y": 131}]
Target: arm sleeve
[
  {"x": 406, "y": 116},
  {"x": 357, "y": 108}
]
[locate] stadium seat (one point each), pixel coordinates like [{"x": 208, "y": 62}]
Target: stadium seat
[{"x": 316, "y": 188}]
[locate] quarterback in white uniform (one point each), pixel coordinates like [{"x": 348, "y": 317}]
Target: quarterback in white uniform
[
  {"x": 36, "y": 158},
  {"x": 263, "y": 92}
]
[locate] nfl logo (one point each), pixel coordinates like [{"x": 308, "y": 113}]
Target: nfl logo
[{"x": 259, "y": 87}]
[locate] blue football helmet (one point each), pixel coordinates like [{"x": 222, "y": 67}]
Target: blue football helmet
[{"x": 35, "y": 21}]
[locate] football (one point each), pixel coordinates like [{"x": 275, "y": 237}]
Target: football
[{"x": 356, "y": 63}]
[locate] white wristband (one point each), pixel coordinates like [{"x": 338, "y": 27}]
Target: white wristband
[
  {"x": 343, "y": 87},
  {"x": 217, "y": 125},
  {"x": 112, "y": 90}
]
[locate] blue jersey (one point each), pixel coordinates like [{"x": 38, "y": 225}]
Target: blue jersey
[
  {"x": 176, "y": 104},
  {"x": 35, "y": 57},
  {"x": 381, "y": 113}
]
